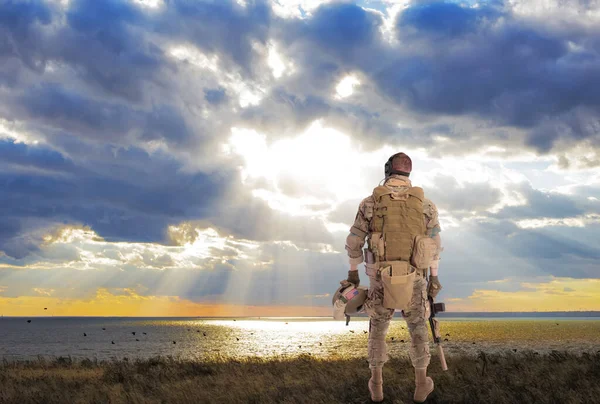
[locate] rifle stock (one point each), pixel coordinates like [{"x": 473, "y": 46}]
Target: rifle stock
[{"x": 435, "y": 331}]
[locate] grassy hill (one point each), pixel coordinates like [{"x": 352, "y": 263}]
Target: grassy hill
[{"x": 525, "y": 377}]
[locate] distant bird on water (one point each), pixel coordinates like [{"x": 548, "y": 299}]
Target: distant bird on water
[
  {"x": 137, "y": 339},
  {"x": 445, "y": 339},
  {"x": 144, "y": 333},
  {"x": 112, "y": 342},
  {"x": 204, "y": 334},
  {"x": 447, "y": 335},
  {"x": 352, "y": 331},
  {"x": 84, "y": 334},
  {"x": 45, "y": 308},
  {"x": 234, "y": 319},
  {"x": 237, "y": 338},
  {"x": 174, "y": 342},
  {"x": 364, "y": 332},
  {"x": 103, "y": 328},
  {"x": 392, "y": 338},
  {"x": 320, "y": 344},
  {"x": 401, "y": 340},
  {"x": 133, "y": 332},
  {"x": 29, "y": 321},
  {"x": 514, "y": 349}
]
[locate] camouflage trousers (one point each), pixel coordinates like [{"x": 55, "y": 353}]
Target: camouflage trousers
[{"x": 416, "y": 317}]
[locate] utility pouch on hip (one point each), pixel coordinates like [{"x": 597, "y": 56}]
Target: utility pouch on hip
[
  {"x": 423, "y": 251},
  {"x": 398, "y": 279}
]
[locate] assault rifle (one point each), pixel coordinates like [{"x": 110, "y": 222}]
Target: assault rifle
[{"x": 435, "y": 329}]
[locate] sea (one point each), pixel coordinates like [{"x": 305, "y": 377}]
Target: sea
[{"x": 107, "y": 338}]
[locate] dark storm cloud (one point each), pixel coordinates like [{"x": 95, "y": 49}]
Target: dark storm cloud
[
  {"x": 542, "y": 205},
  {"x": 444, "y": 20},
  {"x": 549, "y": 249},
  {"x": 19, "y": 31},
  {"x": 215, "y": 96},
  {"x": 449, "y": 195},
  {"x": 21, "y": 155},
  {"x": 226, "y": 27},
  {"x": 485, "y": 63},
  {"x": 116, "y": 198},
  {"x": 343, "y": 29}
]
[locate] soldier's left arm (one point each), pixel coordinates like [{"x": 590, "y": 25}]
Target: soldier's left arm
[{"x": 433, "y": 227}]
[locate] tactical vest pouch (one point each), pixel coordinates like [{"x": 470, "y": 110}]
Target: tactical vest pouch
[
  {"x": 423, "y": 251},
  {"x": 398, "y": 278}
]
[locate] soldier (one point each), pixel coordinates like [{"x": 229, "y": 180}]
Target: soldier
[{"x": 390, "y": 239}]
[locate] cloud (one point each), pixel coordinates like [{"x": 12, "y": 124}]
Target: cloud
[
  {"x": 112, "y": 196},
  {"x": 162, "y": 150}
]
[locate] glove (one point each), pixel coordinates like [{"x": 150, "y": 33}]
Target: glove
[
  {"x": 353, "y": 278},
  {"x": 433, "y": 286}
]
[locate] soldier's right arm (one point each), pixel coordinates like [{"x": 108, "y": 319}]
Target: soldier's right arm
[{"x": 358, "y": 232}]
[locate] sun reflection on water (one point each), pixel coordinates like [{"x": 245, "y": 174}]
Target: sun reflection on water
[{"x": 269, "y": 337}]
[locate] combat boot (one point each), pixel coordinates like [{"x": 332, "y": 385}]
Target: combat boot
[
  {"x": 424, "y": 385},
  {"x": 376, "y": 385}
]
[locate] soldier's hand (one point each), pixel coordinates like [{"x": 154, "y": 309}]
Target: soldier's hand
[
  {"x": 353, "y": 278},
  {"x": 434, "y": 286}
]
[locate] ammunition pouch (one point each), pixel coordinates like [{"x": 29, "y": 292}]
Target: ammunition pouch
[
  {"x": 397, "y": 278},
  {"x": 423, "y": 251}
]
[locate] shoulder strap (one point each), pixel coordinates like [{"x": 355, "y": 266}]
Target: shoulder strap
[
  {"x": 417, "y": 192},
  {"x": 381, "y": 191}
]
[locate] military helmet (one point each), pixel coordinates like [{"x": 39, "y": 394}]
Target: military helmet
[{"x": 348, "y": 300}]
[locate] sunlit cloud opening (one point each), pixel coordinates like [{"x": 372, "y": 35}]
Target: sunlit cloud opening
[
  {"x": 192, "y": 55},
  {"x": 248, "y": 94},
  {"x": 153, "y": 4},
  {"x": 13, "y": 131},
  {"x": 195, "y": 248},
  {"x": 44, "y": 291},
  {"x": 345, "y": 88},
  {"x": 296, "y": 8},
  {"x": 581, "y": 221},
  {"x": 317, "y": 171},
  {"x": 279, "y": 66}
]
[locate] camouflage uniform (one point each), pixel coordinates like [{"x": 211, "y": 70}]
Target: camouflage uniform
[{"x": 418, "y": 314}]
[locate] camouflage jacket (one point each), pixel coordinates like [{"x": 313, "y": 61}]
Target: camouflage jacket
[{"x": 360, "y": 228}]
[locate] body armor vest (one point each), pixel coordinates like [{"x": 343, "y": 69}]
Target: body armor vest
[{"x": 397, "y": 220}]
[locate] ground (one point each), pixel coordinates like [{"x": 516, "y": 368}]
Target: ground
[{"x": 525, "y": 377}]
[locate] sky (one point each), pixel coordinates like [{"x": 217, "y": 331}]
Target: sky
[{"x": 207, "y": 158}]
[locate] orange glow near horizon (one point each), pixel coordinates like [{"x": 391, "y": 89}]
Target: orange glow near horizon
[
  {"x": 558, "y": 294},
  {"x": 132, "y": 304}
]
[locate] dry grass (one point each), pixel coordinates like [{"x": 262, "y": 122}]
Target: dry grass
[{"x": 508, "y": 378}]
